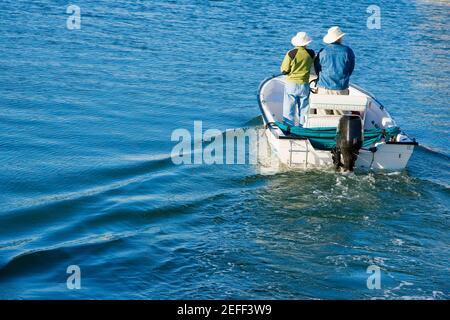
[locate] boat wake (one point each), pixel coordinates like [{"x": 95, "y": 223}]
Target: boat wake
[{"x": 434, "y": 152}]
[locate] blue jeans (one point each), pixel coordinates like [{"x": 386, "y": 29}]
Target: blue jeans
[{"x": 296, "y": 103}]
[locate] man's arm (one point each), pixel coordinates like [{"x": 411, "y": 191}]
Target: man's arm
[
  {"x": 351, "y": 57},
  {"x": 317, "y": 65},
  {"x": 286, "y": 65}
]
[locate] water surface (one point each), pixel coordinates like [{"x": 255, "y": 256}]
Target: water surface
[{"x": 86, "y": 176}]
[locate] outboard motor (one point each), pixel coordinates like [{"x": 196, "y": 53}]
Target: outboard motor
[{"x": 349, "y": 139}]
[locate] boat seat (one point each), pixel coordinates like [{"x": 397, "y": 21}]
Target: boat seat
[
  {"x": 339, "y": 105},
  {"x": 317, "y": 121}
]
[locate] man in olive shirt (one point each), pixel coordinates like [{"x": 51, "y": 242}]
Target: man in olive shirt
[{"x": 296, "y": 65}]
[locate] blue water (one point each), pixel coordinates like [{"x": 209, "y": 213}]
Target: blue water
[{"x": 86, "y": 176}]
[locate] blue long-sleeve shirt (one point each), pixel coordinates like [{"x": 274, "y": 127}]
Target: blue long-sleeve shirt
[{"x": 334, "y": 64}]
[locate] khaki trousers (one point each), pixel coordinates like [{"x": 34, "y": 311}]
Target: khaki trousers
[{"x": 344, "y": 92}]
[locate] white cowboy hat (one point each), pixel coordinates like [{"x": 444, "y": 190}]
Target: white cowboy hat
[
  {"x": 333, "y": 35},
  {"x": 301, "y": 39}
]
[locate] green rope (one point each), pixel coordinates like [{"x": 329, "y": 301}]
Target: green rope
[{"x": 325, "y": 138}]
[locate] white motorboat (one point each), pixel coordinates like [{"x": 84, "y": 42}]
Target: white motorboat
[{"x": 354, "y": 131}]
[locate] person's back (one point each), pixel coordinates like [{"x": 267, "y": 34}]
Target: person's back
[
  {"x": 334, "y": 64},
  {"x": 337, "y": 62},
  {"x": 297, "y": 65}
]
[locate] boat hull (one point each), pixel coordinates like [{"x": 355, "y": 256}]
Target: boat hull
[{"x": 300, "y": 154}]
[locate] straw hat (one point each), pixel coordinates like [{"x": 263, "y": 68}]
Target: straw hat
[
  {"x": 333, "y": 35},
  {"x": 301, "y": 39}
]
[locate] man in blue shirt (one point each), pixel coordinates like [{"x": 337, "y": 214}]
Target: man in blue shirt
[{"x": 334, "y": 64}]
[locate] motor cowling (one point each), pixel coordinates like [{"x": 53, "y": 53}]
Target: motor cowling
[{"x": 349, "y": 139}]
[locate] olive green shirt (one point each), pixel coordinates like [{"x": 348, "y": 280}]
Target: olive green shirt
[{"x": 297, "y": 65}]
